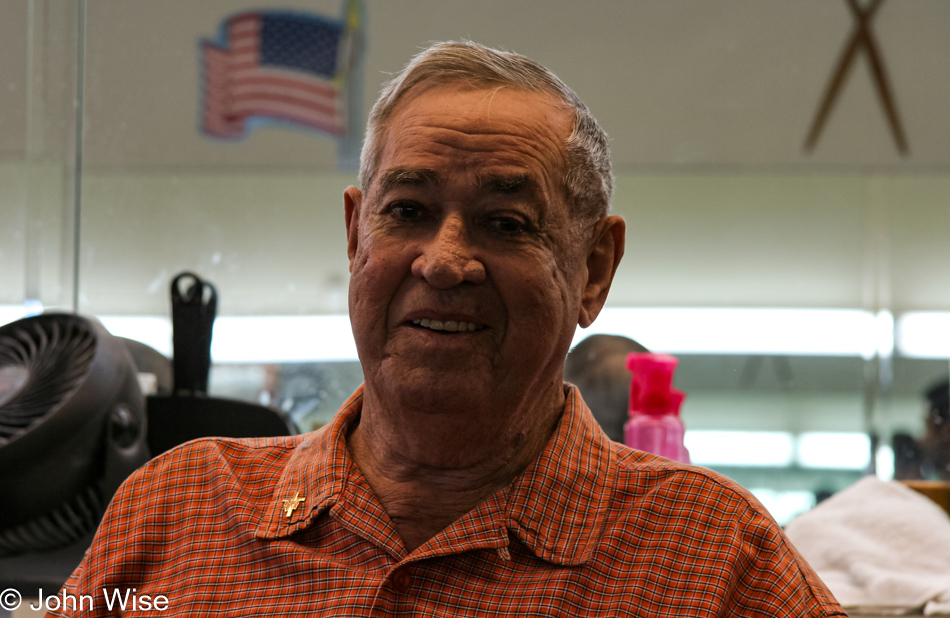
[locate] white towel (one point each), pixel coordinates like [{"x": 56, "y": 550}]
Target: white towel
[{"x": 879, "y": 543}]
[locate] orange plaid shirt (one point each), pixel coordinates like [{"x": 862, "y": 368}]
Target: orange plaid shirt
[{"x": 592, "y": 528}]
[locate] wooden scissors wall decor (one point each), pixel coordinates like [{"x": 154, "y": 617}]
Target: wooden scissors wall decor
[{"x": 861, "y": 39}]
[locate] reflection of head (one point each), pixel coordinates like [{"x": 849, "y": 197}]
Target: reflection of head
[
  {"x": 597, "y": 365},
  {"x": 938, "y": 399},
  {"x": 936, "y": 442},
  {"x": 588, "y": 182}
]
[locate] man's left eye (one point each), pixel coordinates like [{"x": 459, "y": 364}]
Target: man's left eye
[{"x": 508, "y": 225}]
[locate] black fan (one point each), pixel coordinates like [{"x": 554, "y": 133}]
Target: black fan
[{"x": 72, "y": 428}]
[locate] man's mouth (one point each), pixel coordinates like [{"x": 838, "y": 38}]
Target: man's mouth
[{"x": 450, "y": 326}]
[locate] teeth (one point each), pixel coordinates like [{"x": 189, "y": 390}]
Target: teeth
[{"x": 451, "y": 326}]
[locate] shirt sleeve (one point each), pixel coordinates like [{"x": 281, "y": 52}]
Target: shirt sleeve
[
  {"x": 772, "y": 578},
  {"x": 143, "y": 525},
  {"x": 82, "y": 595}
]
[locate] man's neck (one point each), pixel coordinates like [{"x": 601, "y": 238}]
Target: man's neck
[{"x": 429, "y": 469}]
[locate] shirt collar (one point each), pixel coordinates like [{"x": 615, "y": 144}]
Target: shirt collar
[
  {"x": 557, "y": 507},
  {"x": 316, "y": 474}
]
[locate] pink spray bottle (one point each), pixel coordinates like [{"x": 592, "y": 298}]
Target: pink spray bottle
[{"x": 655, "y": 425}]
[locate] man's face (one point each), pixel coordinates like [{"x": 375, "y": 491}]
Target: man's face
[{"x": 467, "y": 268}]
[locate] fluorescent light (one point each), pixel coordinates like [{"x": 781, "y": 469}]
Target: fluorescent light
[
  {"x": 884, "y": 333},
  {"x": 12, "y": 313},
  {"x": 152, "y": 330},
  {"x": 924, "y": 334},
  {"x": 819, "y": 332},
  {"x": 276, "y": 339},
  {"x": 884, "y": 462},
  {"x": 831, "y": 450},
  {"x": 838, "y": 450},
  {"x": 740, "y": 448},
  {"x": 784, "y": 505},
  {"x": 252, "y": 339}
]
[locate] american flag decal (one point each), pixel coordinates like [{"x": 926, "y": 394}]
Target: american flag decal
[{"x": 277, "y": 67}]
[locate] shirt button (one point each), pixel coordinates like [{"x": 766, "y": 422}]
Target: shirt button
[{"x": 401, "y": 580}]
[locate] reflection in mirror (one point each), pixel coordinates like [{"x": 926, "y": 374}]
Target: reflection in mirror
[{"x": 846, "y": 244}]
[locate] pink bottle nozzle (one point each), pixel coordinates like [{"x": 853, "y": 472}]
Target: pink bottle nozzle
[
  {"x": 651, "y": 388},
  {"x": 655, "y": 425}
]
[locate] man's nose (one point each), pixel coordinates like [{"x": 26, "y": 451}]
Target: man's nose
[{"x": 448, "y": 258}]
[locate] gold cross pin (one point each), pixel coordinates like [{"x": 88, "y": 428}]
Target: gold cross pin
[{"x": 293, "y": 503}]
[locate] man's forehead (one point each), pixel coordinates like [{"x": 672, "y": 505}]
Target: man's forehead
[
  {"x": 486, "y": 111},
  {"x": 492, "y": 181},
  {"x": 499, "y": 140},
  {"x": 485, "y": 92}
]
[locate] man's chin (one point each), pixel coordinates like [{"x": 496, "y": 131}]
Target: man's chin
[{"x": 434, "y": 386}]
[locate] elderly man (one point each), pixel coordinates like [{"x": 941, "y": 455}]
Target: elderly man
[{"x": 464, "y": 478}]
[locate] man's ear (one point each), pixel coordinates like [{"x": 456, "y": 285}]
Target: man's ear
[
  {"x": 352, "y": 201},
  {"x": 606, "y": 248}
]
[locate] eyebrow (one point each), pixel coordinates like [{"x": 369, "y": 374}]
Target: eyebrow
[
  {"x": 507, "y": 183},
  {"x": 404, "y": 176}
]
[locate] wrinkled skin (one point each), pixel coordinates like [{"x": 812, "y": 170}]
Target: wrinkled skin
[{"x": 466, "y": 223}]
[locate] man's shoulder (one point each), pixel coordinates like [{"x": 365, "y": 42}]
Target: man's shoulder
[
  {"x": 673, "y": 486},
  {"x": 249, "y": 465},
  {"x": 230, "y": 451},
  {"x": 637, "y": 464},
  {"x": 709, "y": 533}
]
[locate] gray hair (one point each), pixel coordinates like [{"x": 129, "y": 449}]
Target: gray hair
[{"x": 588, "y": 182}]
